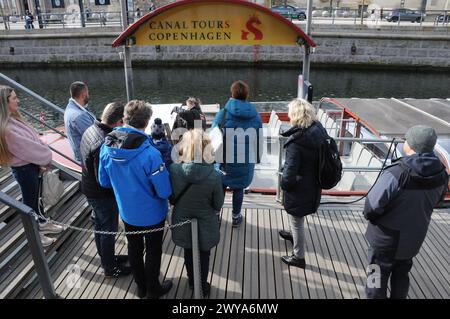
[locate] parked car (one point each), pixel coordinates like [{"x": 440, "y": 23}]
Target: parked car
[
  {"x": 405, "y": 15},
  {"x": 443, "y": 18},
  {"x": 342, "y": 12},
  {"x": 290, "y": 12}
]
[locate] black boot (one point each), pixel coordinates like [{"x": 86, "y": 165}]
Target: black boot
[
  {"x": 294, "y": 261},
  {"x": 286, "y": 235}
]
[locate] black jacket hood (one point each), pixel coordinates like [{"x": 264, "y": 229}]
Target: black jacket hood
[
  {"x": 124, "y": 140},
  {"x": 426, "y": 170}
]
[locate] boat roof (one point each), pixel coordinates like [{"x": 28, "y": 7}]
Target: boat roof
[{"x": 393, "y": 117}]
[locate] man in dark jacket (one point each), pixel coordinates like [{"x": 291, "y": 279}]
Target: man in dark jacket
[
  {"x": 102, "y": 199},
  {"x": 399, "y": 211}
]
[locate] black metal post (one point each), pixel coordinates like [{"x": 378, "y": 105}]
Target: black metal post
[
  {"x": 38, "y": 13},
  {"x": 198, "y": 294},
  {"x": 83, "y": 21}
]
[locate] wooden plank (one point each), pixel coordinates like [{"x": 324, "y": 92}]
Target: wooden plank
[
  {"x": 332, "y": 288},
  {"x": 121, "y": 286},
  {"x": 21, "y": 268},
  {"x": 213, "y": 257},
  {"x": 440, "y": 261},
  {"x": 283, "y": 286},
  {"x": 299, "y": 279},
  {"x": 262, "y": 258},
  {"x": 347, "y": 285},
  {"x": 218, "y": 278},
  {"x": 355, "y": 265},
  {"x": 433, "y": 242},
  {"x": 221, "y": 279},
  {"x": 251, "y": 262},
  {"x": 236, "y": 263},
  {"x": 440, "y": 232},
  {"x": 82, "y": 260},
  {"x": 57, "y": 265},
  {"x": 248, "y": 251},
  {"x": 102, "y": 287},
  {"x": 313, "y": 271},
  {"x": 13, "y": 234},
  {"x": 266, "y": 273},
  {"x": 268, "y": 252},
  {"x": 89, "y": 266},
  {"x": 175, "y": 269}
]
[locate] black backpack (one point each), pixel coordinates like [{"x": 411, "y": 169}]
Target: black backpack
[{"x": 330, "y": 165}]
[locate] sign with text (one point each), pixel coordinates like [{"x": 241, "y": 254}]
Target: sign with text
[{"x": 230, "y": 22}]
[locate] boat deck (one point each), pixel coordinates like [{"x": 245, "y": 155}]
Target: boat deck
[{"x": 247, "y": 264}]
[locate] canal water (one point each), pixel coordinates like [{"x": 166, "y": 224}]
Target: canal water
[{"x": 211, "y": 84}]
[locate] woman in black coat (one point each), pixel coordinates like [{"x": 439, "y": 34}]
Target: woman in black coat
[{"x": 300, "y": 181}]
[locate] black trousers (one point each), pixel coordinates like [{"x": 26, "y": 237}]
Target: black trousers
[
  {"x": 389, "y": 268},
  {"x": 204, "y": 266},
  {"x": 145, "y": 274}
]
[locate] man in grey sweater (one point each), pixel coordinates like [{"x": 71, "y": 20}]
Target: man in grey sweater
[{"x": 399, "y": 209}]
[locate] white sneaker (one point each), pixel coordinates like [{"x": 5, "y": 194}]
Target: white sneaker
[
  {"x": 46, "y": 241},
  {"x": 49, "y": 228}
]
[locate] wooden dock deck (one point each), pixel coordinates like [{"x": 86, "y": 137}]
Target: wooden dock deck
[{"x": 246, "y": 263}]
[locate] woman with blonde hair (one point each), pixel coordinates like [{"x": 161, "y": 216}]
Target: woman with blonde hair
[
  {"x": 23, "y": 151},
  {"x": 196, "y": 193},
  {"x": 300, "y": 180}
]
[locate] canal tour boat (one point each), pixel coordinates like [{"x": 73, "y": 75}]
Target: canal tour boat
[
  {"x": 363, "y": 128},
  {"x": 355, "y": 123}
]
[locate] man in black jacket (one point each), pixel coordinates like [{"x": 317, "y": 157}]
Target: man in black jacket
[
  {"x": 399, "y": 209},
  {"x": 101, "y": 199}
]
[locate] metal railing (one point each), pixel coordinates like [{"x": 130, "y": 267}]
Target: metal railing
[
  {"x": 326, "y": 15},
  {"x": 33, "y": 94},
  {"x": 30, "y": 226},
  {"x": 282, "y": 140}
]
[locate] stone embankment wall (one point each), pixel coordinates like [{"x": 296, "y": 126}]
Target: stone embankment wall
[{"x": 411, "y": 47}]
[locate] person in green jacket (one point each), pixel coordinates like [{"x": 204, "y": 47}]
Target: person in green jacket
[{"x": 196, "y": 193}]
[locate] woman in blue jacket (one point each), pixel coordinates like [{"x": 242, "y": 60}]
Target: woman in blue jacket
[{"x": 242, "y": 127}]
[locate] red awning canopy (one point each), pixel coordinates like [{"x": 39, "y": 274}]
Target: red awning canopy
[{"x": 188, "y": 8}]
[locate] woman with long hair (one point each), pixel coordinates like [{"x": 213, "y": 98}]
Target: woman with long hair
[
  {"x": 300, "y": 180},
  {"x": 23, "y": 151},
  {"x": 197, "y": 193}
]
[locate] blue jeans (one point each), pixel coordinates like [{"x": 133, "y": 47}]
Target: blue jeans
[
  {"x": 27, "y": 177},
  {"x": 106, "y": 219},
  {"x": 238, "y": 198}
]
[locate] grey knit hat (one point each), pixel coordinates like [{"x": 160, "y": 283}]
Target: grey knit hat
[{"x": 421, "y": 138}]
